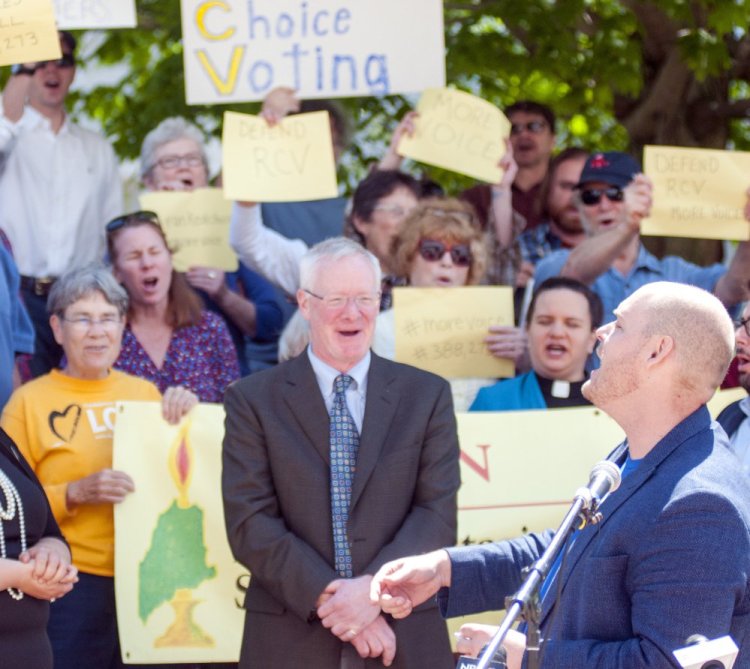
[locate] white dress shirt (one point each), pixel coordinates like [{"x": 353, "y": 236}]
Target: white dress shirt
[
  {"x": 57, "y": 193},
  {"x": 356, "y": 393}
]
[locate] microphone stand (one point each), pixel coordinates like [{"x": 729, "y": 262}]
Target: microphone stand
[{"x": 525, "y": 602}]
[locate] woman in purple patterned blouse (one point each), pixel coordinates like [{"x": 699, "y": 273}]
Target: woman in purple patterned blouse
[{"x": 169, "y": 338}]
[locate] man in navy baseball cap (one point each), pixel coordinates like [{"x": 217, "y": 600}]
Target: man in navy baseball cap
[{"x": 614, "y": 197}]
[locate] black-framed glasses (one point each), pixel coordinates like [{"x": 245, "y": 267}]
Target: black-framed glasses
[
  {"x": 135, "y": 218},
  {"x": 592, "y": 196},
  {"x": 534, "y": 127},
  {"x": 432, "y": 251},
  {"x": 743, "y": 323},
  {"x": 334, "y": 302}
]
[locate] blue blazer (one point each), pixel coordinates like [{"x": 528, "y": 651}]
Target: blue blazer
[{"x": 671, "y": 558}]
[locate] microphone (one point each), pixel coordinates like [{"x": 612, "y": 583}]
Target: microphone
[{"x": 605, "y": 478}]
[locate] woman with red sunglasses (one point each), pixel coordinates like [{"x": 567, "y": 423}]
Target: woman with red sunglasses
[{"x": 439, "y": 245}]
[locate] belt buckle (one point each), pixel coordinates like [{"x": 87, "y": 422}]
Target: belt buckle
[{"x": 42, "y": 286}]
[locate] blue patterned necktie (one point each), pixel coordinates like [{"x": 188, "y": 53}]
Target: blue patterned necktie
[{"x": 344, "y": 441}]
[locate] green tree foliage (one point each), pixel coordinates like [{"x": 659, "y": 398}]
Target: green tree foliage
[{"x": 619, "y": 73}]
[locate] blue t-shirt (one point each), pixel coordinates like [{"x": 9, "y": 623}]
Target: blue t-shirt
[{"x": 311, "y": 221}]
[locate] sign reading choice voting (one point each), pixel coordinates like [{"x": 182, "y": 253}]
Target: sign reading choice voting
[
  {"x": 238, "y": 50},
  {"x": 698, "y": 193},
  {"x": 442, "y": 330},
  {"x": 176, "y": 582},
  {"x": 290, "y": 161},
  {"x": 196, "y": 224},
  {"x": 83, "y": 14},
  {"x": 459, "y": 132},
  {"x": 28, "y": 32}
]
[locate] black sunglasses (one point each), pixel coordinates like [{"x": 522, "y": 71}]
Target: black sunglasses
[
  {"x": 67, "y": 60},
  {"x": 432, "y": 251},
  {"x": 591, "y": 196},
  {"x": 136, "y": 218}
]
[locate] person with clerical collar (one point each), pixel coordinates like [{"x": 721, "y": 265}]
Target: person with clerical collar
[
  {"x": 335, "y": 462},
  {"x": 561, "y": 328}
]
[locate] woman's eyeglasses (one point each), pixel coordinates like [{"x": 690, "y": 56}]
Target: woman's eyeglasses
[
  {"x": 432, "y": 250},
  {"x": 136, "y": 218}
]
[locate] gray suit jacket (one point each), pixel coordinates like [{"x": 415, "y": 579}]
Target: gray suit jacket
[{"x": 275, "y": 484}]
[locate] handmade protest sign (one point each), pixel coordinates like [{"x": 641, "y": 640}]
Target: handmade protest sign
[
  {"x": 459, "y": 132},
  {"x": 442, "y": 330},
  {"x": 290, "y": 161},
  {"x": 28, "y": 32},
  {"x": 95, "y": 14},
  {"x": 176, "y": 581},
  {"x": 196, "y": 224},
  {"x": 238, "y": 50},
  {"x": 698, "y": 193}
]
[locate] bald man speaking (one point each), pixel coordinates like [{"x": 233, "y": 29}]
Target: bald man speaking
[{"x": 671, "y": 557}]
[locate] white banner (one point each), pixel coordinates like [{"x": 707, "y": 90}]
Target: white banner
[
  {"x": 238, "y": 50},
  {"x": 80, "y": 14}
]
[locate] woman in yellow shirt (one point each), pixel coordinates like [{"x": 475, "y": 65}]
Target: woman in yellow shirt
[{"x": 63, "y": 424}]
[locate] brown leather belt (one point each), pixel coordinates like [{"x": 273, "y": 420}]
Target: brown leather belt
[{"x": 39, "y": 286}]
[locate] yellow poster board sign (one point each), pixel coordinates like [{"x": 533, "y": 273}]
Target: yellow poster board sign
[
  {"x": 459, "y": 132},
  {"x": 698, "y": 193},
  {"x": 28, "y": 32},
  {"x": 197, "y": 227},
  {"x": 290, "y": 161},
  {"x": 176, "y": 582},
  {"x": 442, "y": 330}
]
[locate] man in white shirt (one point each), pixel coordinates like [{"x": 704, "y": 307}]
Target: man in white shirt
[{"x": 59, "y": 185}]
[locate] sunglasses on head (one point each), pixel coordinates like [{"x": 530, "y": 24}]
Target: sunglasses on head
[
  {"x": 136, "y": 218},
  {"x": 590, "y": 196},
  {"x": 432, "y": 250}
]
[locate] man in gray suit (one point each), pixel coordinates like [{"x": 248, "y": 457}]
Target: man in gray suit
[
  {"x": 671, "y": 556},
  {"x": 335, "y": 463}
]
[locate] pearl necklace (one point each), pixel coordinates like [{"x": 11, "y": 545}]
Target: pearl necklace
[{"x": 13, "y": 500}]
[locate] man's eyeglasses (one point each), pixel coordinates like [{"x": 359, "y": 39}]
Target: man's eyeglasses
[
  {"x": 743, "y": 323},
  {"x": 534, "y": 127},
  {"x": 136, "y": 218},
  {"x": 172, "y": 161},
  {"x": 592, "y": 196},
  {"x": 85, "y": 323},
  {"x": 335, "y": 302},
  {"x": 67, "y": 60},
  {"x": 432, "y": 251}
]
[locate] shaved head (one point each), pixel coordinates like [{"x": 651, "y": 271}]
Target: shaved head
[{"x": 698, "y": 324}]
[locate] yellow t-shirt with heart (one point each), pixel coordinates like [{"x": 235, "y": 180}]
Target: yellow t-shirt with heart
[{"x": 64, "y": 428}]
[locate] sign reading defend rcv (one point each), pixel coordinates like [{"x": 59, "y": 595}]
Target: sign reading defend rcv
[{"x": 238, "y": 50}]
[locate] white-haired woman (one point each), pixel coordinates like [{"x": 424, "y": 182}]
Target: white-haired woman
[
  {"x": 173, "y": 158},
  {"x": 63, "y": 424}
]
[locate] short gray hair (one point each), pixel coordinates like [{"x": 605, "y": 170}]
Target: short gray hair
[
  {"x": 169, "y": 130},
  {"x": 333, "y": 250},
  {"x": 80, "y": 283}
]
